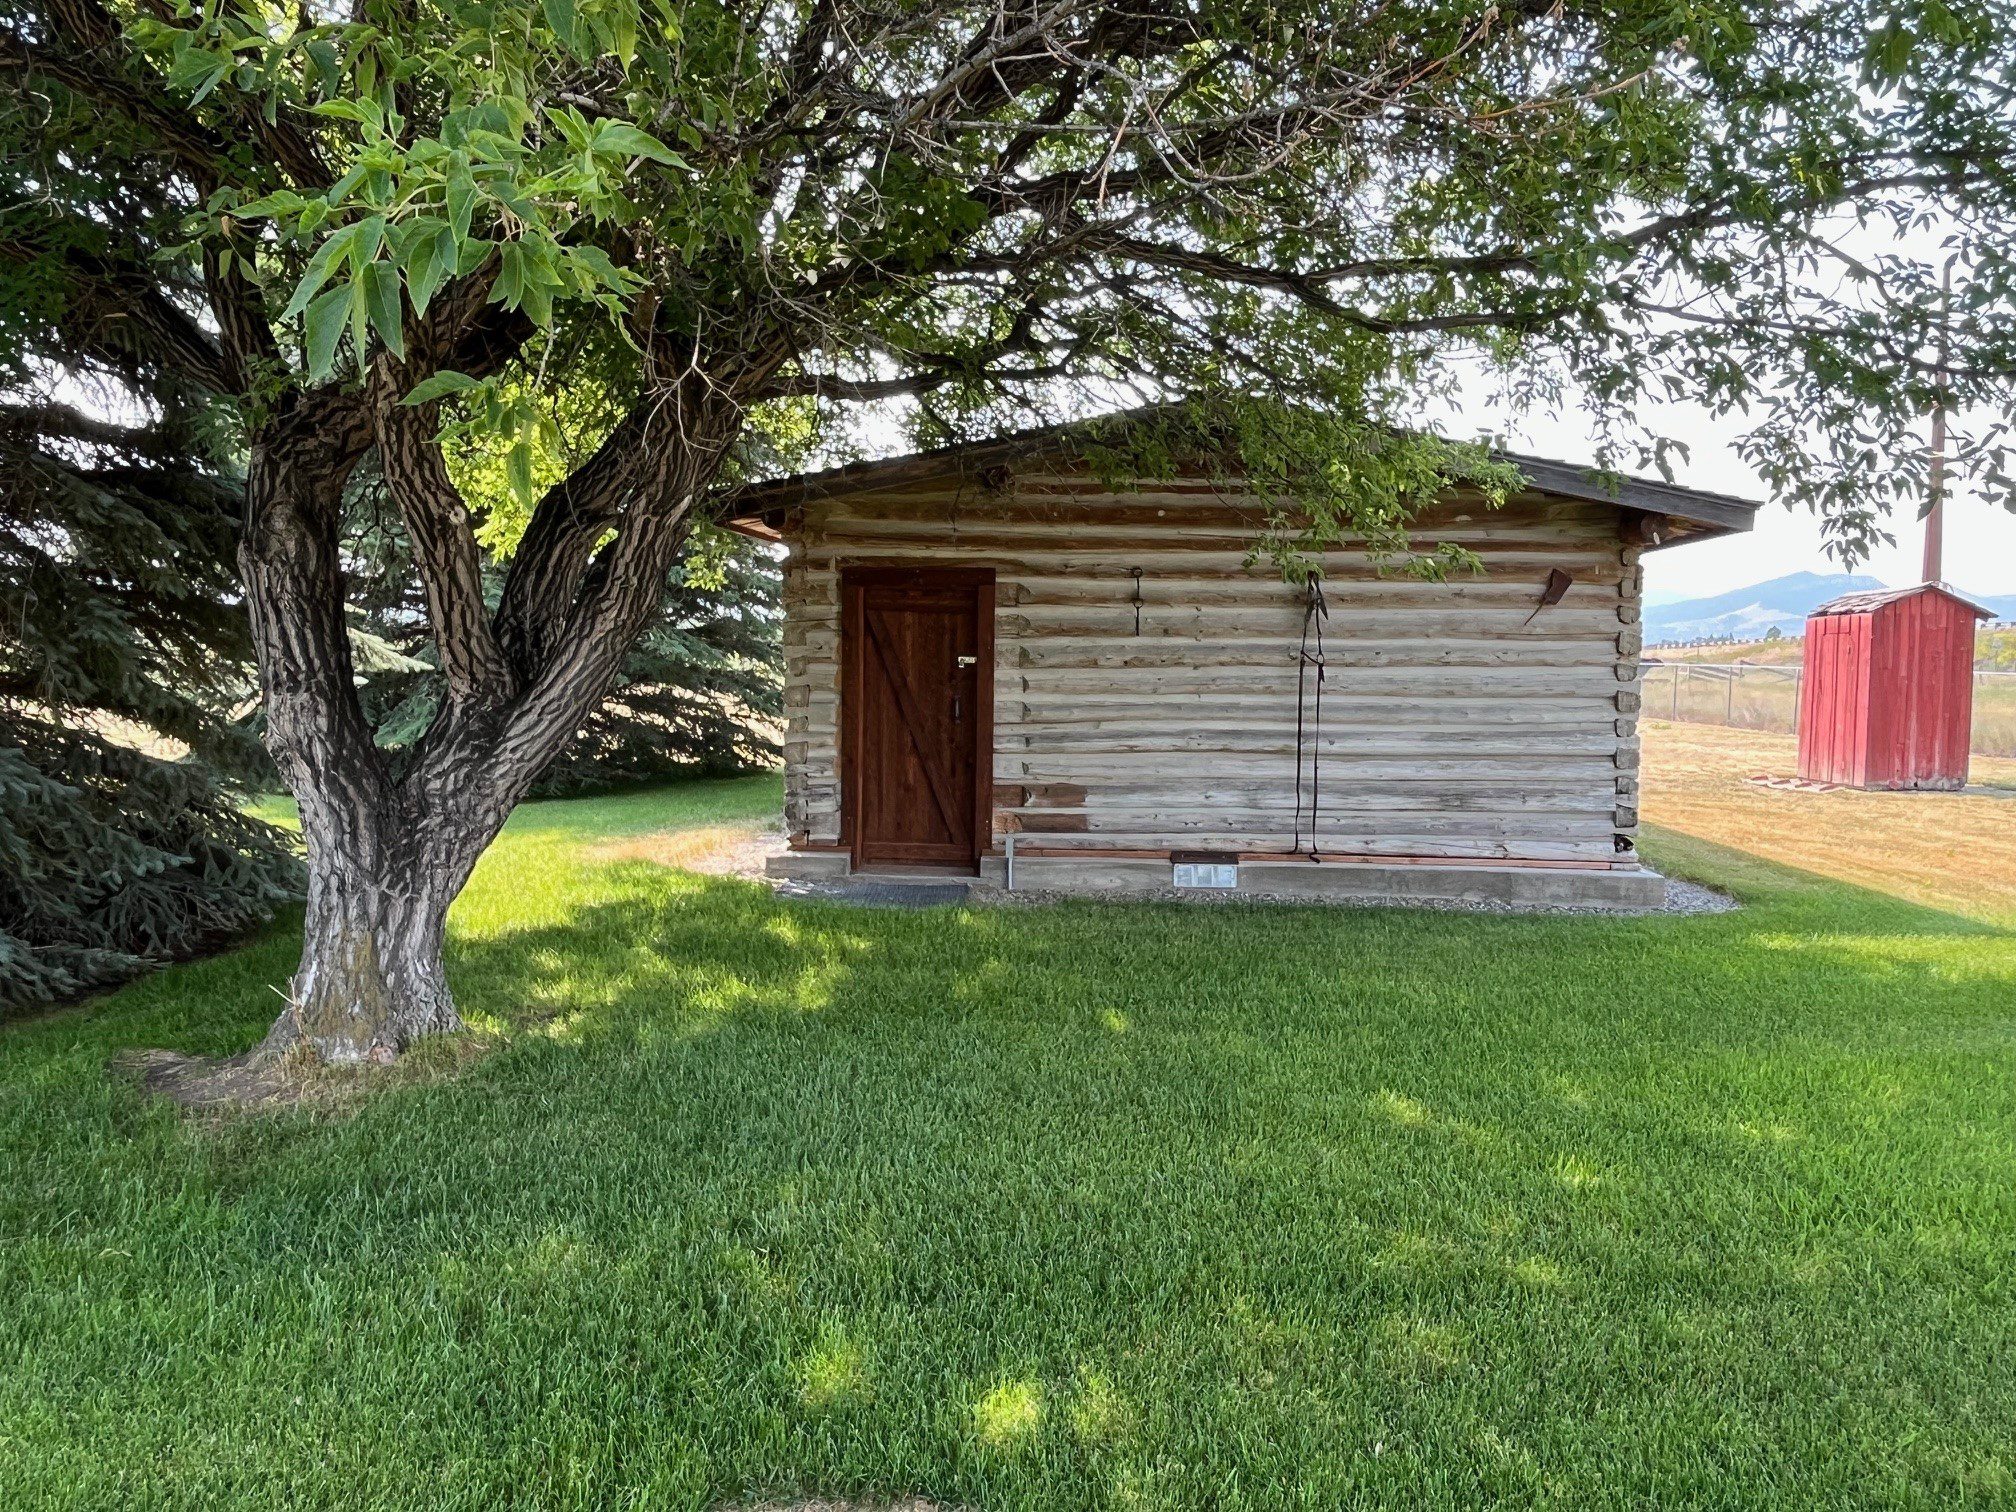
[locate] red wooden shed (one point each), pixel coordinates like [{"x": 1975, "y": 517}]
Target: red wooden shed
[{"x": 1888, "y": 696}]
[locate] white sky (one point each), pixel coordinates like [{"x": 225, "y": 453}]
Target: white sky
[
  {"x": 1980, "y": 547},
  {"x": 1980, "y": 538}
]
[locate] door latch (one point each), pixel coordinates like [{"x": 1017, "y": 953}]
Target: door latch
[{"x": 967, "y": 661}]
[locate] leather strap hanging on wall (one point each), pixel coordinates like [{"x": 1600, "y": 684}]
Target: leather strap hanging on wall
[{"x": 1309, "y": 713}]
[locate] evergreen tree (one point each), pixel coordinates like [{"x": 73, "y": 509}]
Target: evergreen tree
[
  {"x": 701, "y": 690},
  {"x": 122, "y": 839}
]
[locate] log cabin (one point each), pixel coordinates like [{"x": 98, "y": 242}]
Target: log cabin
[{"x": 1001, "y": 665}]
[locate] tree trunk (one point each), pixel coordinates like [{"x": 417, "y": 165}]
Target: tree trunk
[
  {"x": 371, "y": 979},
  {"x": 388, "y": 853}
]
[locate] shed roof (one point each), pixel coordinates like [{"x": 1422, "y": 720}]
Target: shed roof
[
  {"x": 1870, "y": 600},
  {"x": 760, "y": 507}
]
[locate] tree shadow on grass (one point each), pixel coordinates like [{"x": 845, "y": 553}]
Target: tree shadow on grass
[
  {"x": 1040, "y": 1204},
  {"x": 682, "y": 952}
]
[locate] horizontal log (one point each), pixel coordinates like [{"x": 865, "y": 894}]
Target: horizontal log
[
  {"x": 1201, "y": 766},
  {"x": 1600, "y": 847},
  {"x": 1136, "y": 544},
  {"x": 1145, "y": 804},
  {"x": 1280, "y": 738},
  {"x": 1346, "y": 620},
  {"x": 1515, "y": 595},
  {"x": 1075, "y": 577},
  {"x": 1177, "y": 683},
  {"x": 1103, "y": 515},
  {"x": 1340, "y": 658},
  {"x": 1152, "y": 712}
]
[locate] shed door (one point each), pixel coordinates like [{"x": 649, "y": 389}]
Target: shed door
[{"x": 917, "y": 712}]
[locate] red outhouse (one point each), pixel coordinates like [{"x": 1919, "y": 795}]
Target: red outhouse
[{"x": 1888, "y": 695}]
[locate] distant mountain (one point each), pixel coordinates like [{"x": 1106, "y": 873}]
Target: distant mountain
[{"x": 1750, "y": 613}]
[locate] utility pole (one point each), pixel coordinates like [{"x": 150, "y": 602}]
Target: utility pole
[{"x": 1935, "y": 509}]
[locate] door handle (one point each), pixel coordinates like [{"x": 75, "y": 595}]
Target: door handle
[{"x": 966, "y": 661}]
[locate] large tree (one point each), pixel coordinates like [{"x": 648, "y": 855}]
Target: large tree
[{"x": 388, "y": 219}]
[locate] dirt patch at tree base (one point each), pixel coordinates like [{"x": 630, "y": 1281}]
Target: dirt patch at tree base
[
  {"x": 202, "y": 1082},
  {"x": 253, "y": 1082}
]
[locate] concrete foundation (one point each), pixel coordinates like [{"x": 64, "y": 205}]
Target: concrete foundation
[
  {"x": 1337, "y": 881},
  {"x": 808, "y": 866}
]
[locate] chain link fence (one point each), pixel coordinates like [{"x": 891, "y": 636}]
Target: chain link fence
[{"x": 1767, "y": 698}]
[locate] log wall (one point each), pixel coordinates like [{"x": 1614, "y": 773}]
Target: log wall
[{"x": 1452, "y": 725}]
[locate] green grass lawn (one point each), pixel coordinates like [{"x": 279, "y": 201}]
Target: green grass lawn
[{"x": 1085, "y": 1206}]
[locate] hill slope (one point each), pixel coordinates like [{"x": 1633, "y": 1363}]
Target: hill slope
[
  {"x": 1748, "y": 614},
  {"x": 1751, "y": 613}
]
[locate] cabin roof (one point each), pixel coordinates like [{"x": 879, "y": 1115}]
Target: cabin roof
[
  {"x": 759, "y": 508},
  {"x": 1869, "y": 600}
]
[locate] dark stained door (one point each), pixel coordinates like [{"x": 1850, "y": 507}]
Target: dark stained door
[{"x": 918, "y": 715}]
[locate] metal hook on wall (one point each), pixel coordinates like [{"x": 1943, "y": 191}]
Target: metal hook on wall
[{"x": 1135, "y": 573}]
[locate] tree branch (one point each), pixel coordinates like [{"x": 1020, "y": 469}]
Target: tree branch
[
  {"x": 123, "y": 316},
  {"x": 547, "y": 568},
  {"x": 444, "y": 542}
]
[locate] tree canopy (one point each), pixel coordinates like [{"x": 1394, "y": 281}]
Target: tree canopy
[
  {"x": 980, "y": 203},
  {"x": 408, "y": 227}
]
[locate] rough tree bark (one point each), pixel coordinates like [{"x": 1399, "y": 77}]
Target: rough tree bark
[
  {"x": 389, "y": 852},
  {"x": 371, "y": 979}
]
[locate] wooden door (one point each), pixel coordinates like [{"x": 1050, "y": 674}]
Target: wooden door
[{"x": 917, "y": 710}]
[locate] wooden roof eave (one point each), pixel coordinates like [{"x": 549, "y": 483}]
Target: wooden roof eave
[{"x": 759, "y": 509}]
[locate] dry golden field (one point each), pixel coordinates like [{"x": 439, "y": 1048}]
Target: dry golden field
[{"x": 1953, "y": 851}]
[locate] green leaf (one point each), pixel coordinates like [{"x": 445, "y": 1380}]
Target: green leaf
[
  {"x": 327, "y": 61},
  {"x": 370, "y": 237},
  {"x": 623, "y": 35},
  {"x": 461, "y": 203},
  {"x": 324, "y": 328},
  {"x": 431, "y": 261},
  {"x": 360, "y": 326},
  {"x": 207, "y": 79},
  {"x": 536, "y": 300},
  {"x": 318, "y": 270},
  {"x": 625, "y": 140},
  {"x": 340, "y": 190},
  {"x": 281, "y": 202},
  {"x": 561, "y": 17},
  {"x": 440, "y": 386},
  {"x": 597, "y": 263},
  {"x": 518, "y": 470},
  {"x": 510, "y": 285},
  {"x": 381, "y": 299}
]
